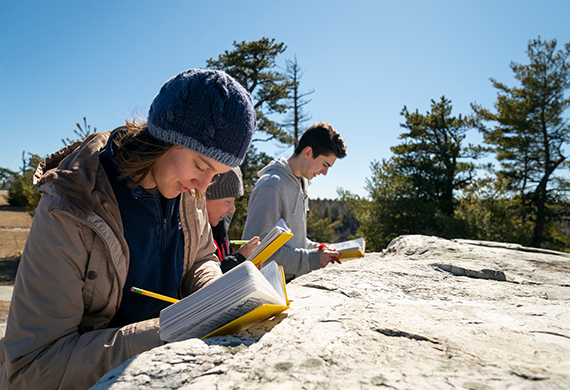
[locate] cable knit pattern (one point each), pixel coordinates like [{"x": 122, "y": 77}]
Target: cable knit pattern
[{"x": 206, "y": 111}]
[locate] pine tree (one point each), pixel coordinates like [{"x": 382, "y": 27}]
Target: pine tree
[{"x": 529, "y": 132}]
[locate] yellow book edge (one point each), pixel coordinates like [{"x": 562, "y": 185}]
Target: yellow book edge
[
  {"x": 255, "y": 316},
  {"x": 347, "y": 255},
  {"x": 350, "y": 255},
  {"x": 272, "y": 248}
]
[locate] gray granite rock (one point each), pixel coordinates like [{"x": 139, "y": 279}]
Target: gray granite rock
[{"x": 426, "y": 313}]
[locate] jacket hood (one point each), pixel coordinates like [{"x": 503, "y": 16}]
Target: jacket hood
[
  {"x": 76, "y": 174},
  {"x": 79, "y": 179}
]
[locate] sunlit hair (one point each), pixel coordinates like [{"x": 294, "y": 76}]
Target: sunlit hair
[
  {"x": 323, "y": 140},
  {"x": 137, "y": 151}
]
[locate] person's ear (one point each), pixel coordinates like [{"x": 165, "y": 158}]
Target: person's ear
[{"x": 308, "y": 152}]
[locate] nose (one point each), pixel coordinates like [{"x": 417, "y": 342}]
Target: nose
[
  {"x": 325, "y": 171},
  {"x": 202, "y": 184},
  {"x": 232, "y": 208}
]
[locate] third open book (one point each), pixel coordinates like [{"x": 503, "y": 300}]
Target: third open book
[{"x": 350, "y": 249}]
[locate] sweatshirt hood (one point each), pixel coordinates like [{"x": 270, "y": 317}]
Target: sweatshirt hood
[
  {"x": 281, "y": 165},
  {"x": 300, "y": 185}
]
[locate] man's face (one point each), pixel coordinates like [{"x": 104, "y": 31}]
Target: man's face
[{"x": 317, "y": 166}]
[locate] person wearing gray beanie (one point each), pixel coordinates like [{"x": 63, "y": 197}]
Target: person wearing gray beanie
[
  {"x": 122, "y": 209},
  {"x": 220, "y": 200},
  {"x": 226, "y": 185}
]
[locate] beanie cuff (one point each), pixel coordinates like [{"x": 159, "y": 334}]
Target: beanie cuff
[
  {"x": 221, "y": 193},
  {"x": 193, "y": 144}
]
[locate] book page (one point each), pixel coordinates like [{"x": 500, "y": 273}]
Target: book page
[
  {"x": 216, "y": 319},
  {"x": 272, "y": 273},
  {"x": 232, "y": 295},
  {"x": 206, "y": 297},
  {"x": 194, "y": 312}
]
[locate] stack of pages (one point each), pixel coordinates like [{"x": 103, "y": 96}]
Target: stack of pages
[{"x": 235, "y": 301}]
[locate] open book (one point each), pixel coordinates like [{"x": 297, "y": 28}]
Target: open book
[
  {"x": 349, "y": 249},
  {"x": 235, "y": 301},
  {"x": 278, "y": 236}
]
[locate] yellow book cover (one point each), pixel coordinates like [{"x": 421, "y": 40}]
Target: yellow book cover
[
  {"x": 278, "y": 236},
  {"x": 255, "y": 316},
  {"x": 350, "y": 249}
]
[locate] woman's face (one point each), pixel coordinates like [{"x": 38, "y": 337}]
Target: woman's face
[
  {"x": 181, "y": 169},
  {"x": 219, "y": 208}
]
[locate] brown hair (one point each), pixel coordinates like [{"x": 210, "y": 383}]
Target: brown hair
[
  {"x": 323, "y": 140},
  {"x": 137, "y": 151}
]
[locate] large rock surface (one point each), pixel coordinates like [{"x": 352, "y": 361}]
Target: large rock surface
[{"x": 426, "y": 313}]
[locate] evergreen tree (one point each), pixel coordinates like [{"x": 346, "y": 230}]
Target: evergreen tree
[
  {"x": 22, "y": 192},
  {"x": 431, "y": 155},
  {"x": 321, "y": 229},
  {"x": 6, "y": 177},
  {"x": 491, "y": 211},
  {"x": 414, "y": 191},
  {"x": 529, "y": 133},
  {"x": 253, "y": 65},
  {"x": 81, "y": 132}
]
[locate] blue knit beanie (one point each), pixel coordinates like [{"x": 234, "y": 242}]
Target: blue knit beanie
[{"x": 206, "y": 111}]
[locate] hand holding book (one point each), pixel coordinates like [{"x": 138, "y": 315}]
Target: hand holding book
[
  {"x": 327, "y": 255},
  {"x": 249, "y": 246}
]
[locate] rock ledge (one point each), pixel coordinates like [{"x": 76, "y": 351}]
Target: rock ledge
[{"x": 426, "y": 313}]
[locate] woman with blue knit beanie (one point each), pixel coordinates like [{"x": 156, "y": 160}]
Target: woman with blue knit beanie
[{"x": 125, "y": 208}]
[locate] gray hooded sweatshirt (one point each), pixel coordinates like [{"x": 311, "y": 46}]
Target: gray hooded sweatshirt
[{"x": 280, "y": 194}]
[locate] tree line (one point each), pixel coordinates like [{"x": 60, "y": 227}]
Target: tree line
[{"x": 430, "y": 185}]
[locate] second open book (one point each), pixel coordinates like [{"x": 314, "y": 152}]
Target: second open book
[{"x": 277, "y": 236}]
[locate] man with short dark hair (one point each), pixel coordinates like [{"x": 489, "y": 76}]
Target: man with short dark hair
[{"x": 282, "y": 192}]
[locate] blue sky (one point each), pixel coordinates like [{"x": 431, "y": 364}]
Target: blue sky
[{"x": 366, "y": 60}]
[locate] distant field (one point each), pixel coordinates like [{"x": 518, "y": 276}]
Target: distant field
[{"x": 14, "y": 226}]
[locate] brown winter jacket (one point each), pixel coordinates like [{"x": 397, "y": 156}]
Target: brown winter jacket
[{"x": 72, "y": 272}]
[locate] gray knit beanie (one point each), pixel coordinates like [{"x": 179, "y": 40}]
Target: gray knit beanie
[
  {"x": 226, "y": 185},
  {"x": 206, "y": 111}
]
